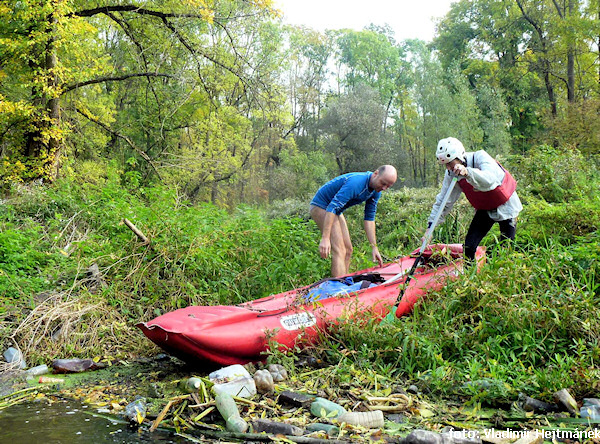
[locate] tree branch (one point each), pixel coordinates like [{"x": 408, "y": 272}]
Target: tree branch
[
  {"x": 137, "y": 231},
  {"x": 105, "y": 127},
  {"x": 115, "y": 78},
  {"x": 530, "y": 20},
  {"x": 195, "y": 51},
  {"x": 132, "y": 8},
  {"x": 143, "y": 11},
  {"x": 558, "y": 10}
]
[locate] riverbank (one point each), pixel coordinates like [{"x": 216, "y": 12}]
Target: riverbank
[{"x": 406, "y": 406}]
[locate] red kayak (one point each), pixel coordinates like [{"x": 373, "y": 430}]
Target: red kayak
[{"x": 239, "y": 334}]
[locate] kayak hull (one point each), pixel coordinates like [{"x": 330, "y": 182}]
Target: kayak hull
[{"x": 227, "y": 335}]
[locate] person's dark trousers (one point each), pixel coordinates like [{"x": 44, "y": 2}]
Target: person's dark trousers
[{"x": 480, "y": 226}]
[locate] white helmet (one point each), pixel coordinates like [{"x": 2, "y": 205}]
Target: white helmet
[{"x": 449, "y": 149}]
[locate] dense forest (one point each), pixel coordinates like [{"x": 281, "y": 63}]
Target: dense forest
[
  {"x": 209, "y": 124},
  {"x": 220, "y": 100}
]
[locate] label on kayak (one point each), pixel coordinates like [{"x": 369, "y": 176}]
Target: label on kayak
[{"x": 298, "y": 321}]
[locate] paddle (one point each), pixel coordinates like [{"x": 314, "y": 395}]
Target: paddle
[{"x": 428, "y": 235}]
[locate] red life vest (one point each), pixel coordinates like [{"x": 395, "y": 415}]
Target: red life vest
[{"x": 490, "y": 200}]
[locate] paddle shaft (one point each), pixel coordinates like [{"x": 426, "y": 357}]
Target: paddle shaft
[{"x": 426, "y": 239}]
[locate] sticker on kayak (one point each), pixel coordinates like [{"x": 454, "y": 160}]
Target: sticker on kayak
[{"x": 298, "y": 320}]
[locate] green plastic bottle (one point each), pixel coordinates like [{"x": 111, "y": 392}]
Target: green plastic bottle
[
  {"x": 324, "y": 408},
  {"x": 230, "y": 413},
  {"x": 190, "y": 385},
  {"x": 329, "y": 429}
]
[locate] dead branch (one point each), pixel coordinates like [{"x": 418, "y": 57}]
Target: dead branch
[{"x": 137, "y": 232}]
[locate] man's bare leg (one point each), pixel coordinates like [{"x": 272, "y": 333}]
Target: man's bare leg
[
  {"x": 347, "y": 243},
  {"x": 337, "y": 239}
]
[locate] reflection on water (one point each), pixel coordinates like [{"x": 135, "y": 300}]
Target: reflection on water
[{"x": 70, "y": 422}]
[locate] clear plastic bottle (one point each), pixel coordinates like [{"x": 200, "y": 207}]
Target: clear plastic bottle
[
  {"x": 13, "y": 355},
  {"x": 243, "y": 387},
  {"x": 234, "y": 380},
  {"x": 228, "y": 373},
  {"x": 264, "y": 381},
  {"x": 135, "y": 411},
  {"x": 371, "y": 420},
  {"x": 37, "y": 371},
  {"x": 590, "y": 411}
]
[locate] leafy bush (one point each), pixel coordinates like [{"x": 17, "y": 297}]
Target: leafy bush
[
  {"x": 556, "y": 175},
  {"x": 563, "y": 222}
]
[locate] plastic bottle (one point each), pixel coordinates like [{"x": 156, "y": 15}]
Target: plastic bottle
[
  {"x": 228, "y": 373},
  {"x": 135, "y": 412},
  {"x": 73, "y": 365},
  {"x": 234, "y": 380},
  {"x": 534, "y": 405},
  {"x": 278, "y": 372},
  {"x": 324, "y": 408},
  {"x": 13, "y": 355},
  {"x": 276, "y": 428},
  {"x": 296, "y": 399},
  {"x": 371, "y": 420},
  {"x": 37, "y": 371},
  {"x": 190, "y": 385},
  {"x": 330, "y": 429},
  {"x": 564, "y": 397},
  {"x": 590, "y": 411},
  {"x": 49, "y": 380},
  {"x": 229, "y": 411}
]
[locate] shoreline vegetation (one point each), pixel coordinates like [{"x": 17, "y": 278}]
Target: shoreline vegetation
[{"x": 75, "y": 279}]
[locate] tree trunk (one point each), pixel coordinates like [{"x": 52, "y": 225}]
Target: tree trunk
[
  {"x": 54, "y": 144},
  {"x": 43, "y": 143},
  {"x": 571, "y": 60},
  {"x": 546, "y": 68},
  {"x": 550, "y": 91},
  {"x": 214, "y": 193}
]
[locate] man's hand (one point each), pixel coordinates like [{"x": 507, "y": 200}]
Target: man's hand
[
  {"x": 427, "y": 233},
  {"x": 325, "y": 247},
  {"x": 460, "y": 170},
  {"x": 377, "y": 256}
]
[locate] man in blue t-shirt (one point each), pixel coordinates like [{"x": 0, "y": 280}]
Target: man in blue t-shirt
[{"x": 328, "y": 205}]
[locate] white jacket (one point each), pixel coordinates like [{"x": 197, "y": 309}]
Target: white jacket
[{"x": 484, "y": 173}]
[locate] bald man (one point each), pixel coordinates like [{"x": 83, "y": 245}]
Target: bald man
[{"x": 329, "y": 204}]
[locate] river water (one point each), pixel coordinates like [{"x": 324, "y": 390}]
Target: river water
[{"x": 70, "y": 422}]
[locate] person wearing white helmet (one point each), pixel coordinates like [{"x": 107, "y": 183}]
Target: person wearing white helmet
[{"x": 489, "y": 188}]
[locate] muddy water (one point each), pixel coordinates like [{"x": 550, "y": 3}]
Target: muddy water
[{"x": 70, "y": 422}]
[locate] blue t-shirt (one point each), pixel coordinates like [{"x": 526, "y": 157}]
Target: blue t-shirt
[{"x": 345, "y": 191}]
